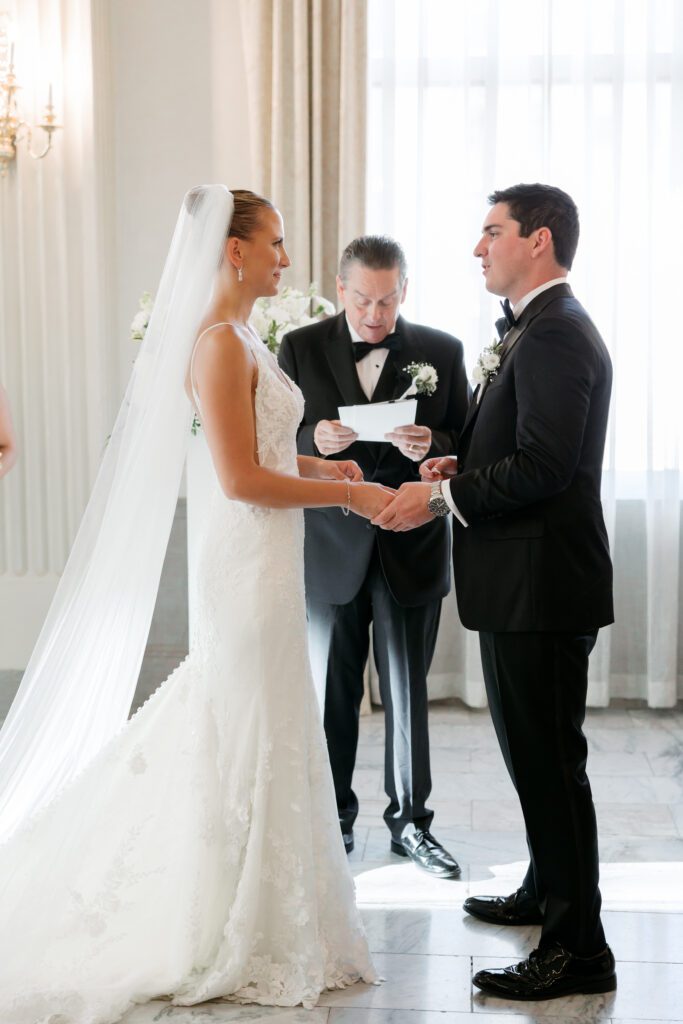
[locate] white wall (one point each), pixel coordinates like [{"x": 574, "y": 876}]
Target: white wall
[{"x": 170, "y": 112}]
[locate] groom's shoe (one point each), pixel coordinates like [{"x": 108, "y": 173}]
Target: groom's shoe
[
  {"x": 550, "y": 973},
  {"x": 348, "y": 842},
  {"x": 519, "y": 908},
  {"x": 425, "y": 851}
]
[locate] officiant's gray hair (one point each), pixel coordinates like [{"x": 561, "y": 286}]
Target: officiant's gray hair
[{"x": 376, "y": 252}]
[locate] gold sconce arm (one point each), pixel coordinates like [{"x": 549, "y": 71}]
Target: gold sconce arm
[{"x": 13, "y": 129}]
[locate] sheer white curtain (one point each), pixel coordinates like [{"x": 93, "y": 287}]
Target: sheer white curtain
[
  {"x": 470, "y": 95},
  {"x": 57, "y": 351}
]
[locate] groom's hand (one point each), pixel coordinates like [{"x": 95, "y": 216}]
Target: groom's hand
[
  {"x": 443, "y": 467},
  {"x": 408, "y": 509}
]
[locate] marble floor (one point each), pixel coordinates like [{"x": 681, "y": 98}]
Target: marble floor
[{"x": 427, "y": 949}]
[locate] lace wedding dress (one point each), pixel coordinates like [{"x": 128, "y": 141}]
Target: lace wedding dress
[{"x": 199, "y": 855}]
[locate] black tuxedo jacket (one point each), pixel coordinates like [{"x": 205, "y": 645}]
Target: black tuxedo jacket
[
  {"x": 338, "y": 548},
  {"x": 535, "y": 556}
]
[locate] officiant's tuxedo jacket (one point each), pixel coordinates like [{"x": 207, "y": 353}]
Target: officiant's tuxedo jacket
[
  {"x": 535, "y": 556},
  {"x": 338, "y": 548}
]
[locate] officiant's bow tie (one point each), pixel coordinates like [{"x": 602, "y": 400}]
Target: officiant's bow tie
[
  {"x": 363, "y": 348},
  {"x": 506, "y": 321}
]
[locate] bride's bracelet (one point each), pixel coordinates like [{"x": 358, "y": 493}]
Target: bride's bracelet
[{"x": 348, "y": 499}]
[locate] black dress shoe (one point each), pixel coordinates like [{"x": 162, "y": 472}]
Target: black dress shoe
[
  {"x": 348, "y": 841},
  {"x": 550, "y": 973},
  {"x": 519, "y": 908},
  {"x": 425, "y": 851}
]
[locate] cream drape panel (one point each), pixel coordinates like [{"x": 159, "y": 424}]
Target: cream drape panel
[
  {"x": 470, "y": 95},
  {"x": 55, "y": 345},
  {"x": 306, "y": 67}
]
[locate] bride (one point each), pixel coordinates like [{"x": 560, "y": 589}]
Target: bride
[{"x": 193, "y": 852}]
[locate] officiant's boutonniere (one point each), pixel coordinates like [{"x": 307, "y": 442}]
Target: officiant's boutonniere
[
  {"x": 424, "y": 379},
  {"x": 488, "y": 363}
]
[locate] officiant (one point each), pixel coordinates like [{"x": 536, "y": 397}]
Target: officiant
[{"x": 357, "y": 575}]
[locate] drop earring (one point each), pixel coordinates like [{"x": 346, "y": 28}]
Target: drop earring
[{"x": 240, "y": 275}]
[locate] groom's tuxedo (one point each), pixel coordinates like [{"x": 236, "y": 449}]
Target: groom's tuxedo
[
  {"x": 533, "y": 575},
  {"x": 356, "y": 573}
]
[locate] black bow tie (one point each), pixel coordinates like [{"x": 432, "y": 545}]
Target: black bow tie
[
  {"x": 362, "y": 348},
  {"x": 506, "y": 321}
]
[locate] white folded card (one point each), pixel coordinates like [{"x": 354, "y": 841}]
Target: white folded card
[{"x": 371, "y": 422}]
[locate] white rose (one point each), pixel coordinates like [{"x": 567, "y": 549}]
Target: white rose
[
  {"x": 323, "y": 306},
  {"x": 428, "y": 374},
  {"x": 260, "y": 322},
  {"x": 139, "y": 324},
  {"x": 146, "y": 301},
  {"x": 490, "y": 360},
  {"x": 478, "y": 374},
  {"x": 278, "y": 312},
  {"x": 295, "y": 303}
]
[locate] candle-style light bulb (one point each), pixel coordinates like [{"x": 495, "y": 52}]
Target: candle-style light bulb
[
  {"x": 49, "y": 97},
  {"x": 11, "y": 56}
]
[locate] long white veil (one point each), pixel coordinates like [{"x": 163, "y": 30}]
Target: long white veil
[{"x": 79, "y": 685}]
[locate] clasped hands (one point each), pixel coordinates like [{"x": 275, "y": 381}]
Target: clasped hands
[
  {"x": 398, "y": 511},
  {"x": 409, "y": 508}
]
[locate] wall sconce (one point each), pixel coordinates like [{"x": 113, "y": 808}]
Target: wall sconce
[{"x": 13, "y": 128}]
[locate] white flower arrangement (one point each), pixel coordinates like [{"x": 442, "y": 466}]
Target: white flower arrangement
[
  {"x": 271, "y": 318},
  {"x": 424, "y": 379},
  {"x": 141, "y": 318},
  {"x": 487, "y": 364},
  {"x": 274, "y": 317}
]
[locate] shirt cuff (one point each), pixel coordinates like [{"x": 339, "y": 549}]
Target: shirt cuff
[{"x": 448, "y": 498}]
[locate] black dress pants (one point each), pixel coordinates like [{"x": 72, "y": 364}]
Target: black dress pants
[
  {"x": 536, "y": 685},
  {"x": 403, "y": 642}
]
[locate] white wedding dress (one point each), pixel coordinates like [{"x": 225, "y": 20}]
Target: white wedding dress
[{"x": 199, "y": 855}]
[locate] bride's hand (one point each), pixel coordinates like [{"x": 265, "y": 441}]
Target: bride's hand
[
  {"x": 340, "y": 469},
  {"x": 443, "y": 467},
  {"x": 368, "y": 500}
]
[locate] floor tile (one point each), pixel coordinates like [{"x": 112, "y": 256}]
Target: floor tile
[
  {"x": 411, "y": 983},
  {"x": 657, "y": 938},
  {"x": 643, "y": 819},
  {"x": 223, "y": 1013},
  {"x": 360, "y": 1016}
]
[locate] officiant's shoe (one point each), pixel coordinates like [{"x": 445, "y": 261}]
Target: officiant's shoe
[
  {"x": 428, "y": 853},
  {"x": 348, "y": 841},
  {"x": 519, "y": 908},
  {"x": 550, "y": 973}
]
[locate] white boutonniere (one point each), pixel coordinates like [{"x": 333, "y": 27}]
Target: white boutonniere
[
  {"x": 488, "y": 363},
  {"x": 424, "y": 379}
]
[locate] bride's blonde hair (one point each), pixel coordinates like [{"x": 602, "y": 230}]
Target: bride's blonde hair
[
  {"x": 246, "y": 218},
  {"x": 246, "y": 214}
]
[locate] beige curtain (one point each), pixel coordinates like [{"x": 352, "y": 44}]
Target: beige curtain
[
  {"x": 56, "y": 339},
  {"x": 306, "y": 89}
]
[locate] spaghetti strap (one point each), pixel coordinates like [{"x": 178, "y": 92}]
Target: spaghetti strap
[{"x": 222, "y": 323}]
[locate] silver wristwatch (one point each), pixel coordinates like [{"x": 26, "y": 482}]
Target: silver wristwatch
[{"x": 437, "y": 504}]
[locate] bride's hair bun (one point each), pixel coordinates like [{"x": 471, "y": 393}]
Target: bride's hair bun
[{"x": 246, "y": 218}]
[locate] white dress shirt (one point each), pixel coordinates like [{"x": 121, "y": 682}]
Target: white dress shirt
[
  {"x": 517, "y": 311},
  {"x": 370, "y": 367}
]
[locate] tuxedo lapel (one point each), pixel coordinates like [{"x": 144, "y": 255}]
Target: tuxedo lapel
[
  {"x": 535, "y": 307},
  {"x": 342, "y": 364}
]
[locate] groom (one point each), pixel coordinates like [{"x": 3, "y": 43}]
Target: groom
[{"x": 533, "y": 574}]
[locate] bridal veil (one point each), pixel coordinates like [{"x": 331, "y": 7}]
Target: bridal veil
[{"x": 78, "y": 687}]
